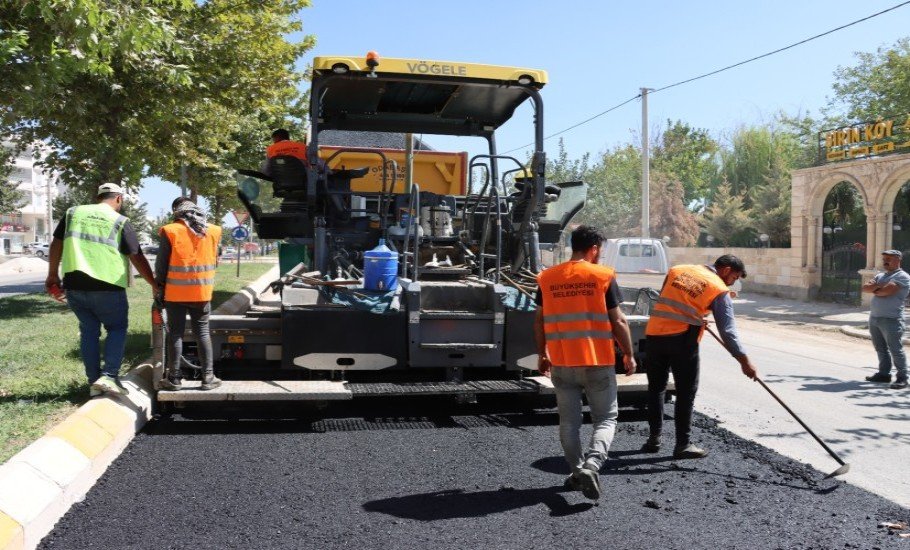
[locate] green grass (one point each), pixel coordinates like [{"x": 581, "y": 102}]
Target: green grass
[{"x": 41, "y": 374}]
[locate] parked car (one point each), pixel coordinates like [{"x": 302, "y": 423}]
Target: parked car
[
  {"x": 42, "y": 250},
  {"x": 150, "y": 249},
  {"x": 229, "y": 251}
]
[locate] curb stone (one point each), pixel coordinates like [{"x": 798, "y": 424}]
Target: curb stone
[
  {"x": 863, "y": 332},
  {"x": 40, "y": 483}
]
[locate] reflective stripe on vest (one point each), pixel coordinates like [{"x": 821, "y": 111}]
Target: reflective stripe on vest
[
  {"x": 684, "y": 300},
  {"x": 575, "y": 320},
  {"x": 91, "y": 243},
  {"x": 191, "y": 267}
]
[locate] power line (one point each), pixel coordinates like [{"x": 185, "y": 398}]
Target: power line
[
  {"x": 728, "y": 67},
  {"x": 598, "y": 115},
  {"x": 756, "y": 58}
]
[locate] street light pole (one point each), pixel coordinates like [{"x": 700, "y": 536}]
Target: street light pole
[{"x": 645, "y": 167}]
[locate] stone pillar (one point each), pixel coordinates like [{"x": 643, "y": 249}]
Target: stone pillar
[
  {"x": 872, "y": 236},
  {"x": 812, "y": 234}
]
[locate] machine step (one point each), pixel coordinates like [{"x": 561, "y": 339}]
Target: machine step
[
  {"x": 260, "y": 390},
  {"x": 456, "y": 346},
  {"x": 443, "y": 388}
]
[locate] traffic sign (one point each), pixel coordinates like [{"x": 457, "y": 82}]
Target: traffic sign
[
  {"x": 240, "y": 215},
  {"x": 240, "y": 233}
]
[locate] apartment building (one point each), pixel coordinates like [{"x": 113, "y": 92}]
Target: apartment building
[{"x": 34, "y": 220}]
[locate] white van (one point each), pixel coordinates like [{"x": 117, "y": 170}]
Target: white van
[{"x": 636, "y": 255}]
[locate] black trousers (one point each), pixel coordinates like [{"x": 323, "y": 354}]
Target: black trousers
[
  {"x": 176, "y": 324},
  {"x": 677, "y": 354}
]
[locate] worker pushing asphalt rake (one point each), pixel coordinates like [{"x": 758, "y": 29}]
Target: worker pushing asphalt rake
[{"x": 844, "y": 467}]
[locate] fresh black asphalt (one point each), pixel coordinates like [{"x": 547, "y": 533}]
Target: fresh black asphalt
[{"x": 418, "y": 474}]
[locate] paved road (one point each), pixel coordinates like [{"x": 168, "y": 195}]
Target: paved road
[
  {"x": 24, "y": 283},
  {"x": 820, "y": 376},
  {"x": 412, "y": 476}
]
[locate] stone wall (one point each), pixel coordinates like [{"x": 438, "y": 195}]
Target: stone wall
[{"x": 774, "y": 271}]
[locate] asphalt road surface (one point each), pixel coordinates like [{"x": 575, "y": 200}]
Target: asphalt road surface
[
  {"x": 24, "y": 283},
  {"x": 820, "y": 375},
  {"x": 413, "y": 475}
]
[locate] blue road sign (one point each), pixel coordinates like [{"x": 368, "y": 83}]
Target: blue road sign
[{"x": 240, "y": 233}]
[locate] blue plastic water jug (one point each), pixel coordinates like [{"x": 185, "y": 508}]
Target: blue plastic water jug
[{"x": 380, "y": 268}]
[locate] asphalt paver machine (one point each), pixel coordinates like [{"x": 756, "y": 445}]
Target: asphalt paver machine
[{"x": 399, "y": 287}]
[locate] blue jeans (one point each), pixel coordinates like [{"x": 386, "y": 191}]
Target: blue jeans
[
  {"x": 599, "y": 386},
  {"x": 886, "y": 337},
  {"x": 94, "y": 309}
]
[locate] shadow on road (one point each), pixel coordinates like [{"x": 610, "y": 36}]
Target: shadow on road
[{"x": 456, "y": 503}]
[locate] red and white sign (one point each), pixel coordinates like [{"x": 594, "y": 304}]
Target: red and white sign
[{"x": 240, "y": 215}]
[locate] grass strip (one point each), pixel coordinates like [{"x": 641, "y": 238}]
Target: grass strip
[{"x": 41, "y": 374}]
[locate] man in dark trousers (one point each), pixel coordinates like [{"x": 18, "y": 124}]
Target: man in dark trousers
[
  {"x": 96, "y": 245},
  {"x": 886, "y": 319},
  {"x": 674, "y": 331},
  {"x": 577, "y": 322},
  {"x": 185, "y": 271}
]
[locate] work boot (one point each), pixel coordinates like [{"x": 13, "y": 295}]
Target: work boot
[
  {"x": 899, "y": 384},
  {"x": 170, "y": 382},
  {"x": 589, "y": 481},
  {"x": 109, "y": 384},
  {"x": 572, "y": 483},
  {"x": 879, "y": 377},
  {"x": 689, "y": 451},
  {"x": 210, "y": 382},
  {"x": 652, "y": 445}
]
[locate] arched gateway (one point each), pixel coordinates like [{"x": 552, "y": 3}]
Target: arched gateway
[{"x": 878, "y": 181}]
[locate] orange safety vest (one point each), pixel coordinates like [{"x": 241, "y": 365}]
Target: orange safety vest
[
  {"x": 191, "y": 269},
  {"x": 575, "y": 319},
  {"x": 684, "y": 300},
  {"x": 286, "y": 148}
]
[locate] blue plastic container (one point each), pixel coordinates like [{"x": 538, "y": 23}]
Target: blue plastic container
[{"x": 380, "y": 268}]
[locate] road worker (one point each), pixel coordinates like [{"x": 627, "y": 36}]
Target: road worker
[
  {"x": 577, "y": 322},
  {"x": 185, "y": 272},
  {"x": 94, "y": 242},
  {"x": 673, "y": 333},
  {"x": 283, "y": 146},
  {"x": 889, "y": 291}
]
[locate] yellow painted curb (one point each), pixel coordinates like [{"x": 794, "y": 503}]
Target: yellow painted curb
[
  {"x": 83, "y": 434},
  {"x": 108, "y": 415},
  {"x": 12, "y": 537}
]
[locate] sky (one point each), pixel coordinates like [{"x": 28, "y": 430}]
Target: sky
[{"x": 600, "y": 53}]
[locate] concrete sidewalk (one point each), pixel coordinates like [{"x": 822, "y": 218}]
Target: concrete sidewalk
[{"x": 847, "y": 319}]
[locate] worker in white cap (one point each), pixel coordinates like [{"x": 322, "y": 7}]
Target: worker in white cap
[{"x": 95, "y": 245}]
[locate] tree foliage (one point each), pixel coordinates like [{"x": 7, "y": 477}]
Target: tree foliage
[
  {"x": 688, "y": 154},
  {"x": 137, "y": 212},
  {"x": 725, "y": 218},
  {"x": 11, "y": 197},
  {"x": 121, "y": 89},
  {"x": 877, "y": 86},
  {"x": 669, "y": 217}
]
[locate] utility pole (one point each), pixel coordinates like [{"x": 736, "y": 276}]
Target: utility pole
[
  {"x": 183, "y": 179},
  {"x": 645, "y": 166}
]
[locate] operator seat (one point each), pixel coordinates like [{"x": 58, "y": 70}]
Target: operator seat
[{"x": 288, "y": 175}]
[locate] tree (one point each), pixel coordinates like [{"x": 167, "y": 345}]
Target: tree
[
  {"x": 137, "y": 212},
  {"x": 770, "y": 213},
  {"x": 11, "y": 197},
  {"x": 614, "y": 196},
  {"x": 123, "y": 89},
  {"x": 725, "y": 218},
  {"x": 878, "y": 86},
  {"x": 688, "y": 155},
  {"x": 669, "y": 216}
]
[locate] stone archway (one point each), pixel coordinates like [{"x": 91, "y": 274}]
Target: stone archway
[{"x": 878, "y": 180}]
